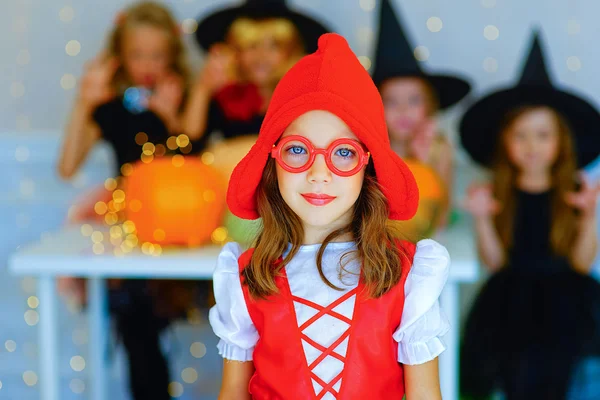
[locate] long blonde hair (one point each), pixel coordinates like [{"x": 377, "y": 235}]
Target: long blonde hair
[
  {"x": 155, "y": 15},
  {"x": 563, "y": 225},
  {"x": 374, "y": 234}
]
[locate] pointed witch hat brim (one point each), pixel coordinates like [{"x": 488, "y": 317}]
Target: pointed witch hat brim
[
  {"x": 214, "y": 27},
  {"x": 481, "y": 124},
  {"x": 394, "y": 58}
]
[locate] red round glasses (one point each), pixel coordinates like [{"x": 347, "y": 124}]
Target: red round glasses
[{"x": 344, "y": 157}]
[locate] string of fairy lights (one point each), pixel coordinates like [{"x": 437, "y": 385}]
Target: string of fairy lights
[{"x": 118, "y": 236}]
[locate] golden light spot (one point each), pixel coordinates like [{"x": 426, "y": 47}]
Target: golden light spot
[
  {"x": 189, "y": 26},
  {"x": 87, "y": 230},
  {"x": 219, "y": 235},
  {"x": 160, "y": 150},
  {"x": 33, "y": 302},
  {"x": 10, "y": 346},
  {"x": 111, "y": 218},
  {"x": 175, "y": 389},
  {"x": 147, "y": 159},
  {"x": 209, "y": 196},
  {"x": 118, "y": 252},
  {"x": 491, "y": 32},
  {"x": 97, "y": 237},
  {"x": 110, "y": 184},
  {"x": 365, "y": 61},
  {"x": 68, "y": 81},
  {"x": 128, "y": 226},
  {"x": 116, "y": 232},
  {"x": 434, "y": 24},
  {"x": 30, "y": 378},
  {"x": 98, "y": 248},
  {"x": 178, "y": 160},
  {"x": 77, "y": 386},
  {"x": 126, "y": 169},
  {"x": 198, "y": 349},
  {"x": 157, "y": 250},
  {"x": 31, "y": 317},
  {"x": 189, "y": 375},
  {"x": 172, "y": 143},
  {"x": 573, "y": 63},
  {"x": 148, "y": 148},
  {"x": 116, "y": 242},
  {"x": 131, "y": 241},
  {"x": 66, "y": 14},
  {"x": 100, "y": 208},
  {"x": 118, "y": 196},
  {"x": 135, "y": 205},
  {"x": 73, "y": 47},
  {"x": 21, "y": 153},
  {"x": 207, "y": 158},
  {"x": 159, "y": 235},
  {"x": 421, "y": 53},
  {"x": 367, "y": 5},
  {"x": 141, "y": 138},
  {"x": 147, "y": 248},
  {"x": 77, "y": 363},
  {"x": 182, "y": 140}
]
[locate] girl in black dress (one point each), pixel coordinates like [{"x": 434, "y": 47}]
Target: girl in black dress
[
  {"x": 144, "y": 57},
  {"x": 536, "y": 319}
]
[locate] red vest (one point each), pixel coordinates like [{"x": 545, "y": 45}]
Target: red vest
[{"x": 371, "y": 370}]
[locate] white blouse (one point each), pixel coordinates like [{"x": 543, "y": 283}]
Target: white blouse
[{"x": 418, "y": 336}]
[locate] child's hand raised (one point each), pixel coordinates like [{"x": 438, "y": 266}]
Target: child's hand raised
[
  {"x": 219, "y": 69},
  {"x": 420, "y": 145},
  {"x": 585, "y": 200},
  {"x": 95, "y": 88},
  {"x": 166, "y": 98},
  {"x": 480, "y": 202}
]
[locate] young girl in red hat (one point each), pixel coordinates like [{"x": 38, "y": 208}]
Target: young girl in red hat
[{"x": 329, "y": 303}]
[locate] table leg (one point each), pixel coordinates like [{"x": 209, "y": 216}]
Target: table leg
[
  {"x": 449, "y": 360},
  {"x": 99, "y": 330},
  {"x": 48, "y": 338}
]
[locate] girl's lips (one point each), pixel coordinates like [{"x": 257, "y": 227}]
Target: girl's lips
[{"x": 318, "y": 199}]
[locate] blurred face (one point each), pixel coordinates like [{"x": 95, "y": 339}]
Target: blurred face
[
  {"x": 406, "y": 106},
  {"x": 261, "y": 61},
  {"x": 146, "y": 56},
  {"x": 532, "y": 141},
  {"x": 323, "y": 200}
]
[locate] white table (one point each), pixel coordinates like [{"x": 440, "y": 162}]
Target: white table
[{"x": 68, "y": 252}]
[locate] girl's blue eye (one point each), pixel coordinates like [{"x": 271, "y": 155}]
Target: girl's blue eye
[
  {"x": 345, "y": 153},
  {"x": 296, "y": 150}
]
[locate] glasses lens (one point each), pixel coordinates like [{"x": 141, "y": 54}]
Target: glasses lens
[
  {"x": 295, "y": 154},
  {"x": 345, "y": 157}
]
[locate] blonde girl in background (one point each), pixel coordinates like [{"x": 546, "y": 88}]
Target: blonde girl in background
[{"x": 131, "y": 94}]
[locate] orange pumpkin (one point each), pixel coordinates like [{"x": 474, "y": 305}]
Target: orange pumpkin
[
  {"x": 432, "y": 198},
  {"x": 174, "y": 200}
]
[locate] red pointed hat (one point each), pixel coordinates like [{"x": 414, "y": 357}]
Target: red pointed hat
[{"x": 331, "y": 79}]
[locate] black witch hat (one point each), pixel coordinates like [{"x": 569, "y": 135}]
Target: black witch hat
[
  {"x": 394, "y": 58},
  {"x": 480, "y": 126},
  {"x": 213, "y": 28}
]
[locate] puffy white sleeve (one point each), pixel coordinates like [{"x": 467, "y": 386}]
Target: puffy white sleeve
[
  {"x": 229, "y": 318},
  {"x": 423, "y": 324}
]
